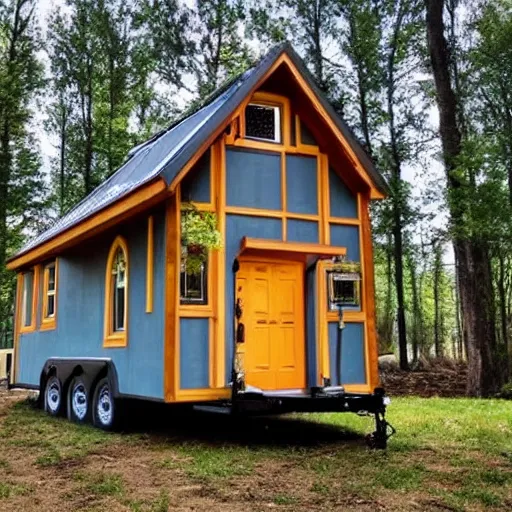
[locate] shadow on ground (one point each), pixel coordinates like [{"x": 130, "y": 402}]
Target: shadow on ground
[{"x": 183, "y": 424}]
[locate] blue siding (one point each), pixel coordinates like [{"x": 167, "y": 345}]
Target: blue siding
[
  {"x": 346, "y": 236},
  {"x": 80, "y": 314},
  {"x": 353, "y": 369},
  {"x": 253, "y": 179},
  {"x": 311, "y": 342},
  {"x": 196, "y": 185},
  {"x": 302, "y": 231},
  {"x": 194, "y": 353},
  {"x": 301, "y": 184},
  {"x": 238, "y": 226},
  {"x": 306, "y": 137},
  {"x": 342, "y": 202}
]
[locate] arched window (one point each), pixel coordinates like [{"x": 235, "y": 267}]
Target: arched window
[{"x": 116, "y": 295}]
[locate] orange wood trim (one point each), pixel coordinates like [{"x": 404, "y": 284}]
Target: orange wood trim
[
  {"x": 292, "y": 247},
  {"x": 375, "y": 193},
  {"x": 283, "y": 194},
  {"x": 17, "y": 320},
  {"x": 302, "y": 216},
  {"x": 134, "y": 203},
  {"x": 319, "y": 200},
  {"x": 275, "y": 147},
  {"x": 348, "y": 316},
  {"x": 219, "y": 376},
  {"x": 49, "y": 323},
  {"x": 260, "y": 145},
  {"x": 322, "y": 326},
  {"x": 298, "y": 139},
  {"x": 237, "y": 210},
  {"x": 206, "y": 207},
  {"x": 194, "y": 312},
  {"x": 369, "y": 293},
  {"x": 344, "y": 220},
  {"x": 33, "y": 301},
  {"x": 111, "y": 338},
  {"x": 358, "y": 388},
  {"x": 198, "y": 395},
  {"x": 211, "y": 352},
  {"x": 267, "y": 98},
  {"x": 325, "y": 206},
  {"x": 150, "y": 264},
  {"x": 171, "y": 297}
]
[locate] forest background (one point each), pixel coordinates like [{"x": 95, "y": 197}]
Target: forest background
[{"x": 423, "y": 84}]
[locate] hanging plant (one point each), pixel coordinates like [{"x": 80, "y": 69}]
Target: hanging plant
[
  {"x": 348, "y": 267},
  {"x": 199, "y": 235}
]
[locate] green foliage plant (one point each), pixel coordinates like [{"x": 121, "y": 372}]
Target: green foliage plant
[{"x": 199, "y": 235}]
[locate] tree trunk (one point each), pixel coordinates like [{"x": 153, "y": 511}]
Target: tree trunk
[
  {"x": 397, "y": 196},
  {"x": 416, "y": 309},
  {"x": 437, "y": 302},
  {"x": 475, "y": 279}
]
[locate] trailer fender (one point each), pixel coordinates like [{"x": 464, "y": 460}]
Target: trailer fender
[{"x": 91, "y": 370}]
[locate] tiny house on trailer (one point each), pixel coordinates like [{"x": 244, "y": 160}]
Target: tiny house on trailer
[{"x": 106, "y": 308}]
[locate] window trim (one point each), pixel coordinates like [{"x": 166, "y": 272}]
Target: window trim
[
  {"x": 113, "y": 338},
  {"x": 272, "y": 100},
  {"x": 49, "y": 322},
  {"x": 35, "y": 295},
  {"x": 356, "y": 305},
  {"x": 278, "y": 130}
]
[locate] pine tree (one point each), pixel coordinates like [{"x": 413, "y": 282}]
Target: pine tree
[{"x": 21, "y": 186}]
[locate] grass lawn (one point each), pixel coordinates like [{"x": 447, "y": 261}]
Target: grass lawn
[{"x": 448, "y": 454}]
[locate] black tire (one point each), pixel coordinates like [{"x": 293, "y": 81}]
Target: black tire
[
  {"x": 105, "y": 409},
  {"x": 79, "y": 403},
  {"x": 53, "y": 399}
]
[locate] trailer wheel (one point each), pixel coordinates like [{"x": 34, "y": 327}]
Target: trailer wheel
[
  {"x": 104, "y": 412},
  {"x": 78, "y": 401},
  {"x": 53, "y": 403}
]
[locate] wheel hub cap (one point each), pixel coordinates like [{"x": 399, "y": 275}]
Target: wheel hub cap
[
  {"x": 79, "y": 401},
  {"x": 104, "y": 407}
]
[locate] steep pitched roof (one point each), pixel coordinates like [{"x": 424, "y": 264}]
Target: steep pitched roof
[{"x": 166, "y": 153}]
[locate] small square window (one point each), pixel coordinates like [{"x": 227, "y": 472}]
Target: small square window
[
  {"x": 343, "y": 290},
  {"x": 263, "y": 122}
]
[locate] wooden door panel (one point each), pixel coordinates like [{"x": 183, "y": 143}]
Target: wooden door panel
[{"x": 272, "y": 296}]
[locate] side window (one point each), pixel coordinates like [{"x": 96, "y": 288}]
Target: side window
[
  {"x": 116, "y": 295},
  {"x": 193, "y": 279},
  {"x": 343, "y": 289},
  {"x": 50, "y": 293},
  {"x": 27, "y": 300},
  {"x": 263, "y": 122}
]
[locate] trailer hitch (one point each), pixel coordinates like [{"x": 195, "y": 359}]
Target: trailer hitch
[{"x": 378, "y": 440}]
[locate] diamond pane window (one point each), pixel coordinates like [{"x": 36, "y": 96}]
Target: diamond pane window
[{"x": 263, "y": 122}]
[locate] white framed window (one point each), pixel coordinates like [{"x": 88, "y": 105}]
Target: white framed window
[
  {"x": 263, "y": 122},
  {"x": 27, "y": 299},
  {"x": 119, "y": 291},
  {"x": 49, "y": 291},
  {"x": 343, "y": 290}
]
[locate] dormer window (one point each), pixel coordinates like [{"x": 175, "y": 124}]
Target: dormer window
[{"x": 263, "y": 122}]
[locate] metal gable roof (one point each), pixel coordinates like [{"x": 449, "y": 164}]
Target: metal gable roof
[{"x": 166, "y": 153}]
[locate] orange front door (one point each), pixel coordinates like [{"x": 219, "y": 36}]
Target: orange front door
[{"x": 272, "y": 295}]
